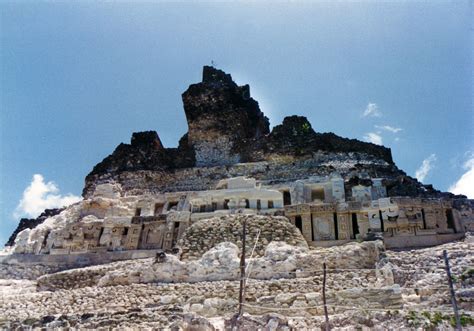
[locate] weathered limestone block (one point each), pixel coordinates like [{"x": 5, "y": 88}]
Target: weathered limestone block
[
  {"x": 388, "y": 297},
  {"x": 108, "y": 190},
  {"x": 26, "y": 223},
  {"x": 21, "y": 242},
  {"x": 348, "y": 256},
  {"x": 286, "y": 298}
]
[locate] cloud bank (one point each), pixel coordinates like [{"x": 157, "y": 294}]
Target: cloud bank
[
  {"x": 373, "y": 138},
  {"x": 39, "y": 196},
  {"x": 372, "y": 110},
  {"x": 425, "y": 167},
  {"x": 465, "y": 184}
]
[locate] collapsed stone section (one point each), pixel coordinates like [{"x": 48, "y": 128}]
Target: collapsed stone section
[
  {"x": 30, "y": 223},
  {"x": 145, "y": 152},
  {"x": 295, "y": 136},
  {"x": 147, "y": 139},
  {"x": 222, "y": 117},
  {"x": 222, "y": 262}
]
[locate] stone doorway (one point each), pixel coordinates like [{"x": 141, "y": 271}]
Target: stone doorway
[
  {"x": 299, "y": 223},
  {"x": 355, "y": 226}
]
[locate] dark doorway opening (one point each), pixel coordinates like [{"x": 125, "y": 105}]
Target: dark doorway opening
[
  {"x": 100, "y": 235},
  {"x": 158, "y": 209},
  {"x": 381, "y": 221},
  {"x": 424, "y": 218},
  {"x": 173, "y": 204},
  {"x": 286, "y": 198},
  {"x": 312, "y": 228},
  {"x": 299, "y": 223},
  {"x": 45, "y": 239},
  {"x": 141, "y": 240},
  {"x": 336, "y": 229},
  {"x": 175, "y": 233},
  {"x": 259, "y": 204},
  {"x": 317, "y": 194},
  {"x": 450, "y": 219},
  {"x": 355, "y": 226}
]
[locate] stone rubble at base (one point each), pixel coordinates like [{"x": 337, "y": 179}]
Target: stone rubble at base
[{"x": 127, "y": 294}]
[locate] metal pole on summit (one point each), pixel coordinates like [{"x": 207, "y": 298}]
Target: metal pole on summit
[
  {"x": 453, "y": 294},
  {"x": 242, "y": 269}
]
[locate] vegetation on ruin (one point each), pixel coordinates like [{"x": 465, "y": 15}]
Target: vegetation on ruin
[{"x": 429, "y": 320}]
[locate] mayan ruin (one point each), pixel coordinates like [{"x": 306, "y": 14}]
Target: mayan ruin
[{"x": 157, "y": 240}]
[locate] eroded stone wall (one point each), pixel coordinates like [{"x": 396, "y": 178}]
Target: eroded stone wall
[{"x": 280, "y": 169}]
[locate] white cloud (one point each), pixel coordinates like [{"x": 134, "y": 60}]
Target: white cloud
[
  {"x": 465, "y": 184},
  {"x": 425, "y": 167},
  {"x": 388, "y": 128},
  {"x": 39, "y": 196},
  {"x": 373, "y": 138},
  {"x": 372, "y": 110}
]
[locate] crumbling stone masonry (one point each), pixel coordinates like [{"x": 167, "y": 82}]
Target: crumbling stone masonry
[{"x": 332, "y": 190}]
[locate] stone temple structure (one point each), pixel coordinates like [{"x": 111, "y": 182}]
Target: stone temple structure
[
  {"x": 156, "y": 242},
  {"x": 332, "y": 189}
]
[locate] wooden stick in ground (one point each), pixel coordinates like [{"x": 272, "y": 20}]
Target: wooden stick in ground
[
  {"x": 326, "y": 327},
  {"x": 242, "y": 270},
  {"x": 453, "y": 294}
]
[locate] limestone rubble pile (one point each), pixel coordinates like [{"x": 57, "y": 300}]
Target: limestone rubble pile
[
  {"x": 222, "y": 263},
  {"x": 126, "y": 300},
  {"x": 422, "y": 272},
  {"x": 205, "y": 234}
]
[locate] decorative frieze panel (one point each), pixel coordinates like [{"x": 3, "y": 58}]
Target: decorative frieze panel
[
  {"x": 343, "y": 227},
  {"x": 323, "y": 208},
  {"x": 323, "y": 227},
  {"x": 374, "y": 220},
  {"x": 306, "y": 227}
]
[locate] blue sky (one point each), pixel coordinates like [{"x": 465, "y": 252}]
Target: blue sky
[{"x": 77, "y": 79}]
